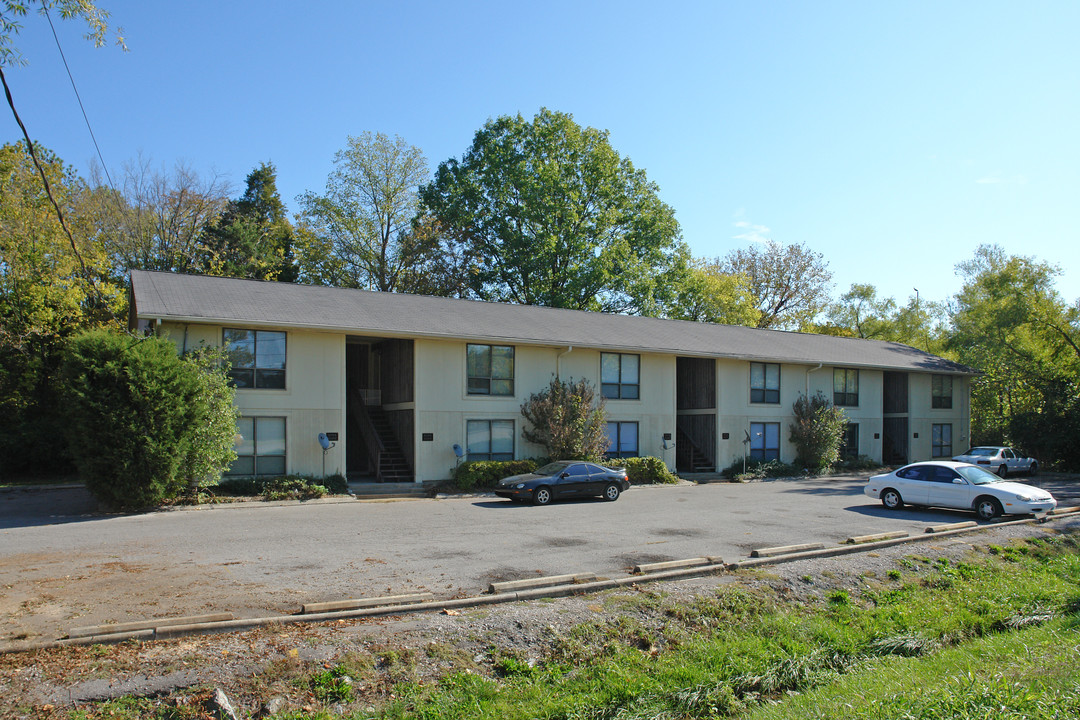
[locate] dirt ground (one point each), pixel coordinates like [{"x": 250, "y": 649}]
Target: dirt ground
[{"x": 249, "y": 665}]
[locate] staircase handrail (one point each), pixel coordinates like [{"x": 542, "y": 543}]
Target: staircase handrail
[{"x": 372, "y": 442}]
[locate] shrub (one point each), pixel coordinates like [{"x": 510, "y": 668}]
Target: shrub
[
  {"x": 568, "y": 420},
  {"x": 288, "y": 487},
  {"x": 817, "y": 432},
  {"x": 759, "y": 469},
  {"x": 645, "y": 470},
  {"x": 292, "y": 487},
  {"x": 139, "y": 417},
  {"x": 487, "y": 473}
]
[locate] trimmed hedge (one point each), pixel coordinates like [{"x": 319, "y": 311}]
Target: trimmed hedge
[
  {"x": 295, "y": 487},
  {"x": 487, "y": 473},
  {"x": 645, "y": 470}
]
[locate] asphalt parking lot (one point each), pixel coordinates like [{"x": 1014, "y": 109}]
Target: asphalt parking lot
[{"x": 62, "y": 564}]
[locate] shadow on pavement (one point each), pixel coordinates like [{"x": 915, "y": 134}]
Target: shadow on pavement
[{"x": 37, "y": 506}]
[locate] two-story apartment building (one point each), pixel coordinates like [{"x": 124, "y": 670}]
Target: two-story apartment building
[{"x": 406, "y": 386}]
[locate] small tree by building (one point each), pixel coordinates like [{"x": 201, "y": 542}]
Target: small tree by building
[
  {"x": 817, "y": 432},
  {"x": 144, "y": 423},
  {"x": 567, "y": 419}
]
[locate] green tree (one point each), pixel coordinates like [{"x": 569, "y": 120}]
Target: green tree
[
  {"x": 96, "y": 19},
  {"x": 817, "y": 432},
  {"x": 861, "y": 313},
  {"x": 142, "y": 421},
  {"x": 358, "y": 233},
  {"x": 1009, "y": 322},
  {"x": 253, "y": 238},
  {"x": 555, "y": 217},
  {"x": 44, "y": 297},
  {"x": 568, "y": 420},
  {"x": 791, "y": 283},
  {"x": 707, "y": 294}
]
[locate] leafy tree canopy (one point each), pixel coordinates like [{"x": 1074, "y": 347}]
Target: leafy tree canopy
[
  {"x": 359, "y": 232},
  {"x": 790, "y": 282},
  {"x": 708, "y": 294},
  {"x": 11, "y": 12},
  {"x": 555, "y": 217}
]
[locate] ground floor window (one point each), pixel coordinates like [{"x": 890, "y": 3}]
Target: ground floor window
[
  {"x": 490, "y": 439},
  {"x": 260, "y": 447},
  {"x": 622, "y": 439},
  {"x": 941, "y": 440},
  {"x": 764, "y": 441},
  {"x": 849, "y": 444}
]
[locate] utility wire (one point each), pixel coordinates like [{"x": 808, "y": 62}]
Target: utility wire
[{"x": 45, "y": 8}]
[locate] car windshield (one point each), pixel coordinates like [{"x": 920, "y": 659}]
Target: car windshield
[
  {"x": 552, "y": 468},
  {"x": 982, "y": 452},
  {"x": 977, "y": 475}
]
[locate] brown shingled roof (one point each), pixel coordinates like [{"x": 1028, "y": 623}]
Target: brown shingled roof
[{"x": 198, "y": 298}]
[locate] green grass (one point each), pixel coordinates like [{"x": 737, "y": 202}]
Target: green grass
[{"x": 994, "y": 636}]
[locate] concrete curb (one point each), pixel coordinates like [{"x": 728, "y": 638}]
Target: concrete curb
[
  {"x": 540, "y": 582},
  {"x": 785, "y": 550},
  {"x": 388, "y": 601},
  {"x": 951, "y": 526},
  {"x": 675, "y": 564},
  {"x": 860, "y": 539},
  {"x": 161, "y": 632}
]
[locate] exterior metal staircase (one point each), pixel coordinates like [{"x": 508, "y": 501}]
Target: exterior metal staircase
[{"x": 385, "y": 453}]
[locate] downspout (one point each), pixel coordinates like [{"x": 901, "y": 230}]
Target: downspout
[
  {"x": 558, "y": 360},
  {"x": 808, "y": 379}
]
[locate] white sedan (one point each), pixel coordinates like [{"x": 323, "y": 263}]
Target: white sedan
[
  {"x": 1002, "y": 460},
  {"x": 957, "y": 485}
]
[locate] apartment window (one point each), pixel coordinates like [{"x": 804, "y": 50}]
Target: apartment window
[
  {"x": 849, "y": 444},
  {"x": 260, "y": 447},
  {"x": 941, "y": 440},
  {"x": 490, "y": 439},
  {"x": 257, "y": 358},
  {"x": 622, "y": 439},
  {"x": 764, "y": 382},
  {"x": 764, "y": 441},
  {"x": 941, "y": 392},
  {"x": 491, "y": 369},
  {"x": 845, "y": 387},
  {"x": 620, "y": 376}
]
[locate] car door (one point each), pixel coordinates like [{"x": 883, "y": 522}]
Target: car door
[
  {"x": 573, "y": 481},
  {"x": 948, "y": 489},
  {"x": 1014, "y": 461},
  {"x": 598, "y": 479},
  {"x": 912, "y": 484}
]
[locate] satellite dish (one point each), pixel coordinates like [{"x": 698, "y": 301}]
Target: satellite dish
[
  {"x": 458, "y": 451},
  {"x": 324, "y": 441}
]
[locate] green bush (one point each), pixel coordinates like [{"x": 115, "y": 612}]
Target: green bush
[
  {"x": 288, "y": 487},
  {"x": 817, "y": 432},
  {"x": 568, "y": 420},
  {"x": 292, "y": 487},
  {"x": 487, "y": 473},
  {"x": 644, "y": 470},
  {"x": 759, "y": 469},
  {"x": 138, "y": 417}
]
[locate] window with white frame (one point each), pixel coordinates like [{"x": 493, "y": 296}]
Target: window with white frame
[
  {"x": 764, "y": 441},
  {"x": 622, "y": 439},
  {"x": 260, "y": 447},
  {"x": 941, "y": 440},
  {"x": 620, "y": 376},
  {"x": 490, "y": 369},
  {"x": 490, "y": 439},
  {"x": 256, "y": 358},
  {"x": 764, "y": 382}
]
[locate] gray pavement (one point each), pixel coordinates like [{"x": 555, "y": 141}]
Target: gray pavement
[{"x": 62, "y": 564}]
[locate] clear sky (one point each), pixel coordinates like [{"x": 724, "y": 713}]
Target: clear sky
[{"x": 894, "y": 138}]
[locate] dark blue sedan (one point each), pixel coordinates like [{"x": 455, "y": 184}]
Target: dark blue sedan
[{"x": 565, "y": 479}]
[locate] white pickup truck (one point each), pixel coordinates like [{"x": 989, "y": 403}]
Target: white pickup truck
[{"x": 1002, "y": 460}]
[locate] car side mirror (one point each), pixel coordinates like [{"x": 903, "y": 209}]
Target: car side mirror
[
  {"x": 564, "y": 475},
  {"x": 957, "y": 481}
]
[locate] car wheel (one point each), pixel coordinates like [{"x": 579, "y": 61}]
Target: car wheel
[
  {"x": 612, "y": 492},
  {"x": 987, "y": 508},
  {"x": 542, "y": 496},
  {"x": 891, "y": 499},
  {"x": 1003, "y": 471},
  {"x": 1034, "y": 468}
]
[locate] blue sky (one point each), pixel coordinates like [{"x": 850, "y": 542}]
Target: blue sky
[{"x": 892, "y": 138}]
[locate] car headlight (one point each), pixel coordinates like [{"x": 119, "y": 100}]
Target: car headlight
[
  {"x": 519, "y": 486},
  {"x": 1026, "y": 498}
]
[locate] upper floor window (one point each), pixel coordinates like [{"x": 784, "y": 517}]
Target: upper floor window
[
  {"x": 490, "y": 369},
  {"x": 620, "y": 376},
  {"x": 257, "y": 358},
  {"x": 764, "y": 382},
  {"x": 941, "y": 392},
  {"x": 845, "y": 387}
]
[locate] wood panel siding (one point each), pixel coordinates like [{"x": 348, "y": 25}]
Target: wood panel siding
[
  {"x": 403, "y": 423},
  {"x": 895, "y": 393},
  {"x": 695, "y": 382},
  {"x": 396, "y": 365}
]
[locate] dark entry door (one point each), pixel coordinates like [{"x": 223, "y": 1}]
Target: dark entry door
[{"x": 894, "y": 450}]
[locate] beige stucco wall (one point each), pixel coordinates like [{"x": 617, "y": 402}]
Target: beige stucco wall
[
  {"x": 313, "y": 400},
  {"x": 445, "y": 407}
]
